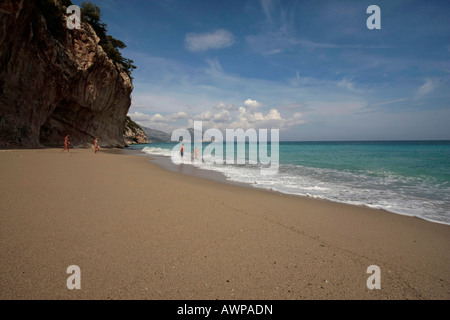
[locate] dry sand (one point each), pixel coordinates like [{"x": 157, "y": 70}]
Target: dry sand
[{"x": 138, "y": 231}]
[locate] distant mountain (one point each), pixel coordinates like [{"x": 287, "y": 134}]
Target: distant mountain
[{"x": 154, "y": 135}]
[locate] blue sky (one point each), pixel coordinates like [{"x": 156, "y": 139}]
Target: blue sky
[{"x": 309, "y": 68}]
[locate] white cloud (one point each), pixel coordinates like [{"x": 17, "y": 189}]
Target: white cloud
[
  {"x": 204, "y": 116},
  {"x": 218, "y": 39},
  {"x": 159, "y": 118},
  {"x": 156, "y": 121},
  {"x": 282, "y": 38},
  {"x": 349, "y": 85},
  {"x": 383, "y": 103},
  {"x": 273, "y": 115},
  {"x": 138, "y": 116},
  {"x": 222, "y": 106},
  {"x": 271, "y": 52},
  {"x": 215, "y": 69},
  {"x": 252, "y": 103},
  {"x": 266, "y": 5},
  {"x": 222, "y": 117},
  {"x": 180, "y": 115},
  {"x": 427, "y": 87},
  {"x": 248, "y": 118},
  {"x": 295, "y": 82},
  {"x": 197, "y": 92}
]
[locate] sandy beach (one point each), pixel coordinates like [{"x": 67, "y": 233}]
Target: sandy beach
[{"x": 138, "y": 231}]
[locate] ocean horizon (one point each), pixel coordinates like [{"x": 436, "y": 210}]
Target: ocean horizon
[{"x": 408, "y": 177}]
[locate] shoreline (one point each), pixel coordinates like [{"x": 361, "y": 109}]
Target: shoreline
[
  {"x": 188, "y": 169},
  {"x": 167, "y": 164},
  {"x": 139, "y": 231}
]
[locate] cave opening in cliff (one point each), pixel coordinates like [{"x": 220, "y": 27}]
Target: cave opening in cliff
[{"x": 66, "y": 118}]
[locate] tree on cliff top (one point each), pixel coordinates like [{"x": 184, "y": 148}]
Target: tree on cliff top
[
  {"x": 54, "y": 16},
  {"x": 91, "y": 14}
]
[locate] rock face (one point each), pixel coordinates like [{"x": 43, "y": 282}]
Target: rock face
[
  {"x": 133, "y": 133},
  {"x": 51, "y": 85}
]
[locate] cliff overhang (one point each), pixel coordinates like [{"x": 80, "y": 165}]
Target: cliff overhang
[{"x": 52, "y": 84}]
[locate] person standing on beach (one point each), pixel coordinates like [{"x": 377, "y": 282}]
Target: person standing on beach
[
  {"x": 196, "y": 152},
  {"x": 66, "y": 144},
  {"x": 182, "y": 151},
  {"x": 96, "y": 145}
]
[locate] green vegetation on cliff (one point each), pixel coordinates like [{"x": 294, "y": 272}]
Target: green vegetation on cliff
[
  {"x": 133, "y": 133},
  {"x": 90, "y": 13},
  {"x": 133, "y": 126}
]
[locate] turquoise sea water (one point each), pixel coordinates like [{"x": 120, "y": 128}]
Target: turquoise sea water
[{"x": 405, "y": 177}]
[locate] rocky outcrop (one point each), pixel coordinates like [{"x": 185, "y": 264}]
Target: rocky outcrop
[
  {"x": 54, "y": 83},
  {"x": 133, "y": 133}
]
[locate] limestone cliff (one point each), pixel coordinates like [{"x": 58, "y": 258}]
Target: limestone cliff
[
  {"x": 55, "y": 81},
  {"x": 133, "y": 133}
]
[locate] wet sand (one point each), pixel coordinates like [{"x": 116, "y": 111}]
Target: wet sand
[{"x": 139, "y": 231}]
